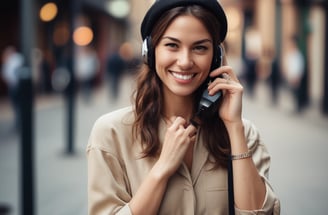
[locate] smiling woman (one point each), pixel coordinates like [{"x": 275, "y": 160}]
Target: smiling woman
[
  {"x": 152, "y": 158},
  {"x": 183, "y": 57}
]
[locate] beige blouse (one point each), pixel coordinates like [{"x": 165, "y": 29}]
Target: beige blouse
[{"x": 116, "y": 170}]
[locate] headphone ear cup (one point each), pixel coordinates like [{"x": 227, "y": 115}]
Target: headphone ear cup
[{"x": 147, "y": 52}]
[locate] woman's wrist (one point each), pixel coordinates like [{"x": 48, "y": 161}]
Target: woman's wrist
[
  {"x": 237, "y": 137},
  {"x": 158, "y": 172},
  {"x": 235, "y": 126},
  {"x": 241, "y": 156}
]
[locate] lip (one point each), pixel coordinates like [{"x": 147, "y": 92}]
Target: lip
[{"x": 183, "y": 77}]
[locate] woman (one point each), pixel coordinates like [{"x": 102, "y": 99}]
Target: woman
[{"x": 149, "y": 158}]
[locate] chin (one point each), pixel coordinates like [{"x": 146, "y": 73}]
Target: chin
[{"x": 183, "y": 93}]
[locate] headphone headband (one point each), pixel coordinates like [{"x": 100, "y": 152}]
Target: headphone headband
[{"x": 160, "y": 6}]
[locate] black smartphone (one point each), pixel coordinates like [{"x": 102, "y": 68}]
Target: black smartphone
[{"x": 209, "y": 104}]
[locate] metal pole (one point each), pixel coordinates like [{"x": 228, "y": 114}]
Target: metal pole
[
  {"x": 305, "y": 31},
  {"x": 70, "y": 91},
  {"x": 325, "y": 90},
  {"x": 27, "y": 149},
  {"x": 26, "y": 109}
]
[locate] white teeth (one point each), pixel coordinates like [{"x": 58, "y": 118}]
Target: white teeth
[{"x": 182, "y": 77}]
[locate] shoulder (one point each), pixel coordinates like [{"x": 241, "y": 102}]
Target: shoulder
[
  {"x": 116, "y": 118},
  {"x": 109, "y": 128}
]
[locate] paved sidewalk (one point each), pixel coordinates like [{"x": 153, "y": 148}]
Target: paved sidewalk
[
  {"x": 61, "y": 179},
  {"x": 297, "y": 144}
]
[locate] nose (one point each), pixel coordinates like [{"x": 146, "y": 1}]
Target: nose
[{"x": 185, "y": 60}]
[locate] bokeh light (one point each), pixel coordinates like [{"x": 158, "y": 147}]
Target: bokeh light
[
  {"x": 48, "y": 12},
  {"x": 83, "y": 36},
  {"x": 118, "y": 8}
]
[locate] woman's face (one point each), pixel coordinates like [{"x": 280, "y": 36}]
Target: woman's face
[{"x": 183, "y": 56}]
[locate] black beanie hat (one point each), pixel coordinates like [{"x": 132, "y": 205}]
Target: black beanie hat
[{"x": 160, "y": 6}]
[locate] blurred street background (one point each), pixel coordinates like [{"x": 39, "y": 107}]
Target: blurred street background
[{"x": 64, "y": 63}]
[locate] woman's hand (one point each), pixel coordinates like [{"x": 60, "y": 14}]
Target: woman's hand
[
  {"x": 231, "y": 107},
  {"x": 177, "y": 139}
]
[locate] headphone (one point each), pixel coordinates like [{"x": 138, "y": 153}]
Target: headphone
[{"x": 148, "y": 54}]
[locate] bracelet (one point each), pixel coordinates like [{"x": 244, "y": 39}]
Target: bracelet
[{"x": 242, "y": 156}]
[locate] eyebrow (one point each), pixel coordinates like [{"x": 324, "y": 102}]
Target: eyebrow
[{"x": 178, "y": 41}]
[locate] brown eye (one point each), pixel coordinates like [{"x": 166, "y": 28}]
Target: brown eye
[
  {"x": 171, "y": 45},
  {"x": 201, "y": 48}
]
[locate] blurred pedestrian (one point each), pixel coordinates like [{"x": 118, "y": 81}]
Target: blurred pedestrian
[
  {"x": 169, "y": 153},
  {"x": 252, "y": 54},
  {"x": 274, "y": 78},
  {"x": 46, "y": 73},
  {"x": 250, "y": 75},
  {"x": 115, "y": 69},
  {"x": 275, "y": 81},
  {"x": 295, "y": 70},
  {"x": 131, "y": 61},
  {"x": 12, "y": 62},
  {"x": 86, "y": 67}
]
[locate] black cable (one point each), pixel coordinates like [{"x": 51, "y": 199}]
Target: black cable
[{"x": 231, "y": 197}]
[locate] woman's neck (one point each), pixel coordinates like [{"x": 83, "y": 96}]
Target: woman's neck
[{"x": 178, "y": 106}]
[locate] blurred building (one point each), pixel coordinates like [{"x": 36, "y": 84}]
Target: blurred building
[
  {"x": 266, "y": 26},
  {"x": 102, "y": 24},
  {"x": 262, "y": 27}
]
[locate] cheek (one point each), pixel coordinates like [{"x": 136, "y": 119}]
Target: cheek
[
  {"x": 205, "y": 66},
  {"x": 162, "y": 58}
]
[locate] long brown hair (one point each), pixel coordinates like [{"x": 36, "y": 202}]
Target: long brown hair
[{"x": 149, "y": 97}]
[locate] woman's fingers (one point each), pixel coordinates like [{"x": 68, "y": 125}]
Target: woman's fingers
[
  {"x": 191, "y": 130},
  {"x": 176, "y": 122},
  {"x": 176, "y": 142},
  {"x": 226, "y": 72}
]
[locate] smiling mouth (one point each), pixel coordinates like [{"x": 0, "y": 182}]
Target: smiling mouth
[{"x": 183, "y": 76}]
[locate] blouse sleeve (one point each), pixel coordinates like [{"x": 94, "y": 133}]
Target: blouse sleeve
[
  {"x": 108, "y": 190},
  {"x": 261, "y": 158}
]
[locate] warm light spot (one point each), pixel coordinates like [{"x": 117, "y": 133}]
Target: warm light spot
[
  {"x": 83, "y": 36},
  {"x": 48, "y": 12}
]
